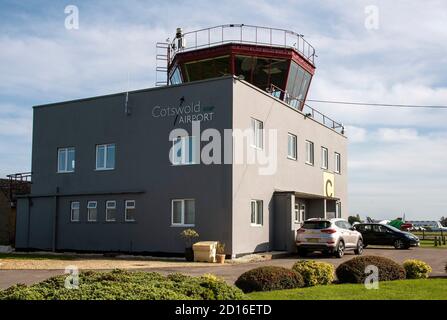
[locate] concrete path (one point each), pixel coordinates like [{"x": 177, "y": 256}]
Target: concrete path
[{"x": 436, "y": 258}]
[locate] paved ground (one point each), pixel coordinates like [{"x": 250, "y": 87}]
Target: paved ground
[{"x": 437, "y": 258}]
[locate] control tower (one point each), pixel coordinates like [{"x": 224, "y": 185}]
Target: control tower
[{"x": 277, "y": 60}]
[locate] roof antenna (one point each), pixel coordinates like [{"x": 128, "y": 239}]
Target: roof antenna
[{"x": 126, "y": 103}]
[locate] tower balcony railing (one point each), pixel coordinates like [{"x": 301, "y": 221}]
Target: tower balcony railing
[
  {"x": 244, "y": 34},
  {"x": 305, "y": 109}
]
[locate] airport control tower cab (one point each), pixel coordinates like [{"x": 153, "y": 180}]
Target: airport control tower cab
[{"x": 279, "y": 61}]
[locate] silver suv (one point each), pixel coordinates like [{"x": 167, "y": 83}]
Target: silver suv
[{"x": 330, "y": 236}]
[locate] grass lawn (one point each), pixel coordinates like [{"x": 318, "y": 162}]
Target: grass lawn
[
  {"x": 430, "y": 244},
  {"x": 425, "y": 289},
  {"x": 28, "y": 256}
]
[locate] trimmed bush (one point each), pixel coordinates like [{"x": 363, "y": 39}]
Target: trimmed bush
[
  {"x": 416, "y": 269},
  {"x": 353, "y": 271},
  {"x": 315, "y": 273},
  {"x": 123, "y": 285},
  {"x": 269, "y": 278}
]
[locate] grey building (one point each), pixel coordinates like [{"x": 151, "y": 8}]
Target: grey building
[{"x": 114, "y": 173}]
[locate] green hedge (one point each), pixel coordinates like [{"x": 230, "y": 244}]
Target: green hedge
[
  {"x": 416, "y": 269},
  {"x": 315, "y": 273},
  {"x": 353, "y": 271},
  {"x": 123, "y": 285},
  {"x": 269, "y": 278}
]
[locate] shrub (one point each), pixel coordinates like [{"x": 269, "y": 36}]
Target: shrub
[
  {"x": 416, "y": 269},
  {"x": 123, "y": 285},
  {"x": 353, "y": 271},
  {"x": 315, "y": 273},
  {"x": 269, "y": 278}
]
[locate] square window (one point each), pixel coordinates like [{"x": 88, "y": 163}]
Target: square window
[
  {"x": 74, "y": 212},
  {"x": 257, "y": 212},
  {"x": 183, "y": 212},
  {"x": 65, "y": 160},
  {"x": 105, "y": 157}
]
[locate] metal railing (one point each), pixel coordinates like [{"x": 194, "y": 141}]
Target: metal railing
[
  {"x": 305, "y": 109},
  {"x": 245, "y": 34}
]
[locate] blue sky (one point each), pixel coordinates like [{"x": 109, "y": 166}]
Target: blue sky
[{"x": 396, "y": 156}]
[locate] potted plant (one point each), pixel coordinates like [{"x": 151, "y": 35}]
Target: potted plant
[
  {"x": 220, "y": 252},
  {"x": 189, "y": 235}
]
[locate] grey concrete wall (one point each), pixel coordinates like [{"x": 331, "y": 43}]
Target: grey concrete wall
[
  {"x": 291, "y": 175},
  {"x": 142, "y": 165}
]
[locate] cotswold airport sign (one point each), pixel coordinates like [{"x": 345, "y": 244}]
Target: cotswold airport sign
[{"x": 185, "y": 113}]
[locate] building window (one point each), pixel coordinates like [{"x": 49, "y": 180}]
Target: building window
[
  {"x": 65, "y": 160},
  {"x": 105, "y": 157},
  {"x": 183, "y": 151},
  {"x": 130, "y": 210},
  {"x": 324, "y": 158},
  {"x": 291, "y": 146},
  {"x": 309, "y": 152},
  {"x": 338, "y": 210},
  {"x": 111, "y": 211},
  {"x": 183, "y": 212},
  {"x": 74, "y": 212},
  {"x": 92, "y": 211},
  {"x": 256, "y": 212},
  {"x": 257, "y": 129},
  {"x": 337, "y": 162}
]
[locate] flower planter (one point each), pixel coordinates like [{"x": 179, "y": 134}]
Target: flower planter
[
  {"x": 220, "y": 258},
  {"x": 189, "y": 254}
]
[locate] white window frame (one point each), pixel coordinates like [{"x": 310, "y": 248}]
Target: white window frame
[
  {"x": 258, "y": 204},
  {"x": 302, "y": 212},
  {"x": 112, "y": 207},
  {"x": 324, "y": 158},
  {"x": 257, "y": 134},
  {"x": 95, "y": 203},
  {"x": 337, "y": 160},
  {"x": 66, "y": 150},
  {"x": 182, "y": 223},
  {"x": 72, "y": 211},
  {"x": 310, "y": 152},
  {"x": 295, "y": 146},
  {"x": 128, "y": 206},
  {"x": 105, "y": 168},
  {"x": 184, "y": 151}
]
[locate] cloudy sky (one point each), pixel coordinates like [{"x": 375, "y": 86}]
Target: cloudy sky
[{"x": 397, "y": 157}]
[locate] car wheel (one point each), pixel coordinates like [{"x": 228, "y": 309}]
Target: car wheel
[
  {"x": 340, "y": 251},
  {"x": 398, "y": 244},
  {"x": 302, "y": 252},
  {"x": 359, "y": 249}
]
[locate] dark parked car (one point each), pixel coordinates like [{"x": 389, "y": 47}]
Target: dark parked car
[{"x": 380, "y": 234}]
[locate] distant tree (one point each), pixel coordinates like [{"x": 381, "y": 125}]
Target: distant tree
[
  {"x": 444, "y": 221},
  {"x": 353, "y": 219}
]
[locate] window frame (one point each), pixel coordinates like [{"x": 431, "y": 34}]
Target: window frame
[
  {"x": 182, "y": 212},
  {"x": 324, "y": 158},
  {"x": 337, "y": 160},
  {"x": 310, "y": 150},
  {"x": 258, "y": 204},
  {"x": 107, "y": 210},
  {"x": 295, "y": 144},
  {"x": 105, "y": 168},
  {"x": 72, "y": 209},
  {"x": 88, "y": 210},
  {"x": 131, "y": 207},
  {"x": 257, "y": 133},
  {"x": 66, "y": 151}
]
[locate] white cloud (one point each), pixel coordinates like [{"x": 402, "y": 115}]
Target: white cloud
[
  {"x": 356, "y": 134},
  {"x": 397, "y": 135}
]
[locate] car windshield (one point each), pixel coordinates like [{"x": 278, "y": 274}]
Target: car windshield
[{"x": 316, "y": 224}]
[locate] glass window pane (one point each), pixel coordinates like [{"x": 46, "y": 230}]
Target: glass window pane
[
  {"x": 100, "y": 157},
  {"x": 92, "y": 214},
  {"x": 253, "y": 212},
  {"x": 208, "y": 68},
  {"x": 177, "y": 212},
  {"x": 110, "y": 164},
  {"x": 62, "y": 160},
  {"x": 71, "y": 159},
  {"x": 190, "y": 211},
  {"x": 259, "y": 213}
]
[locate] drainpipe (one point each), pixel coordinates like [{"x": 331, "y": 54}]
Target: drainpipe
[{"x": 56, "y": 208}]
